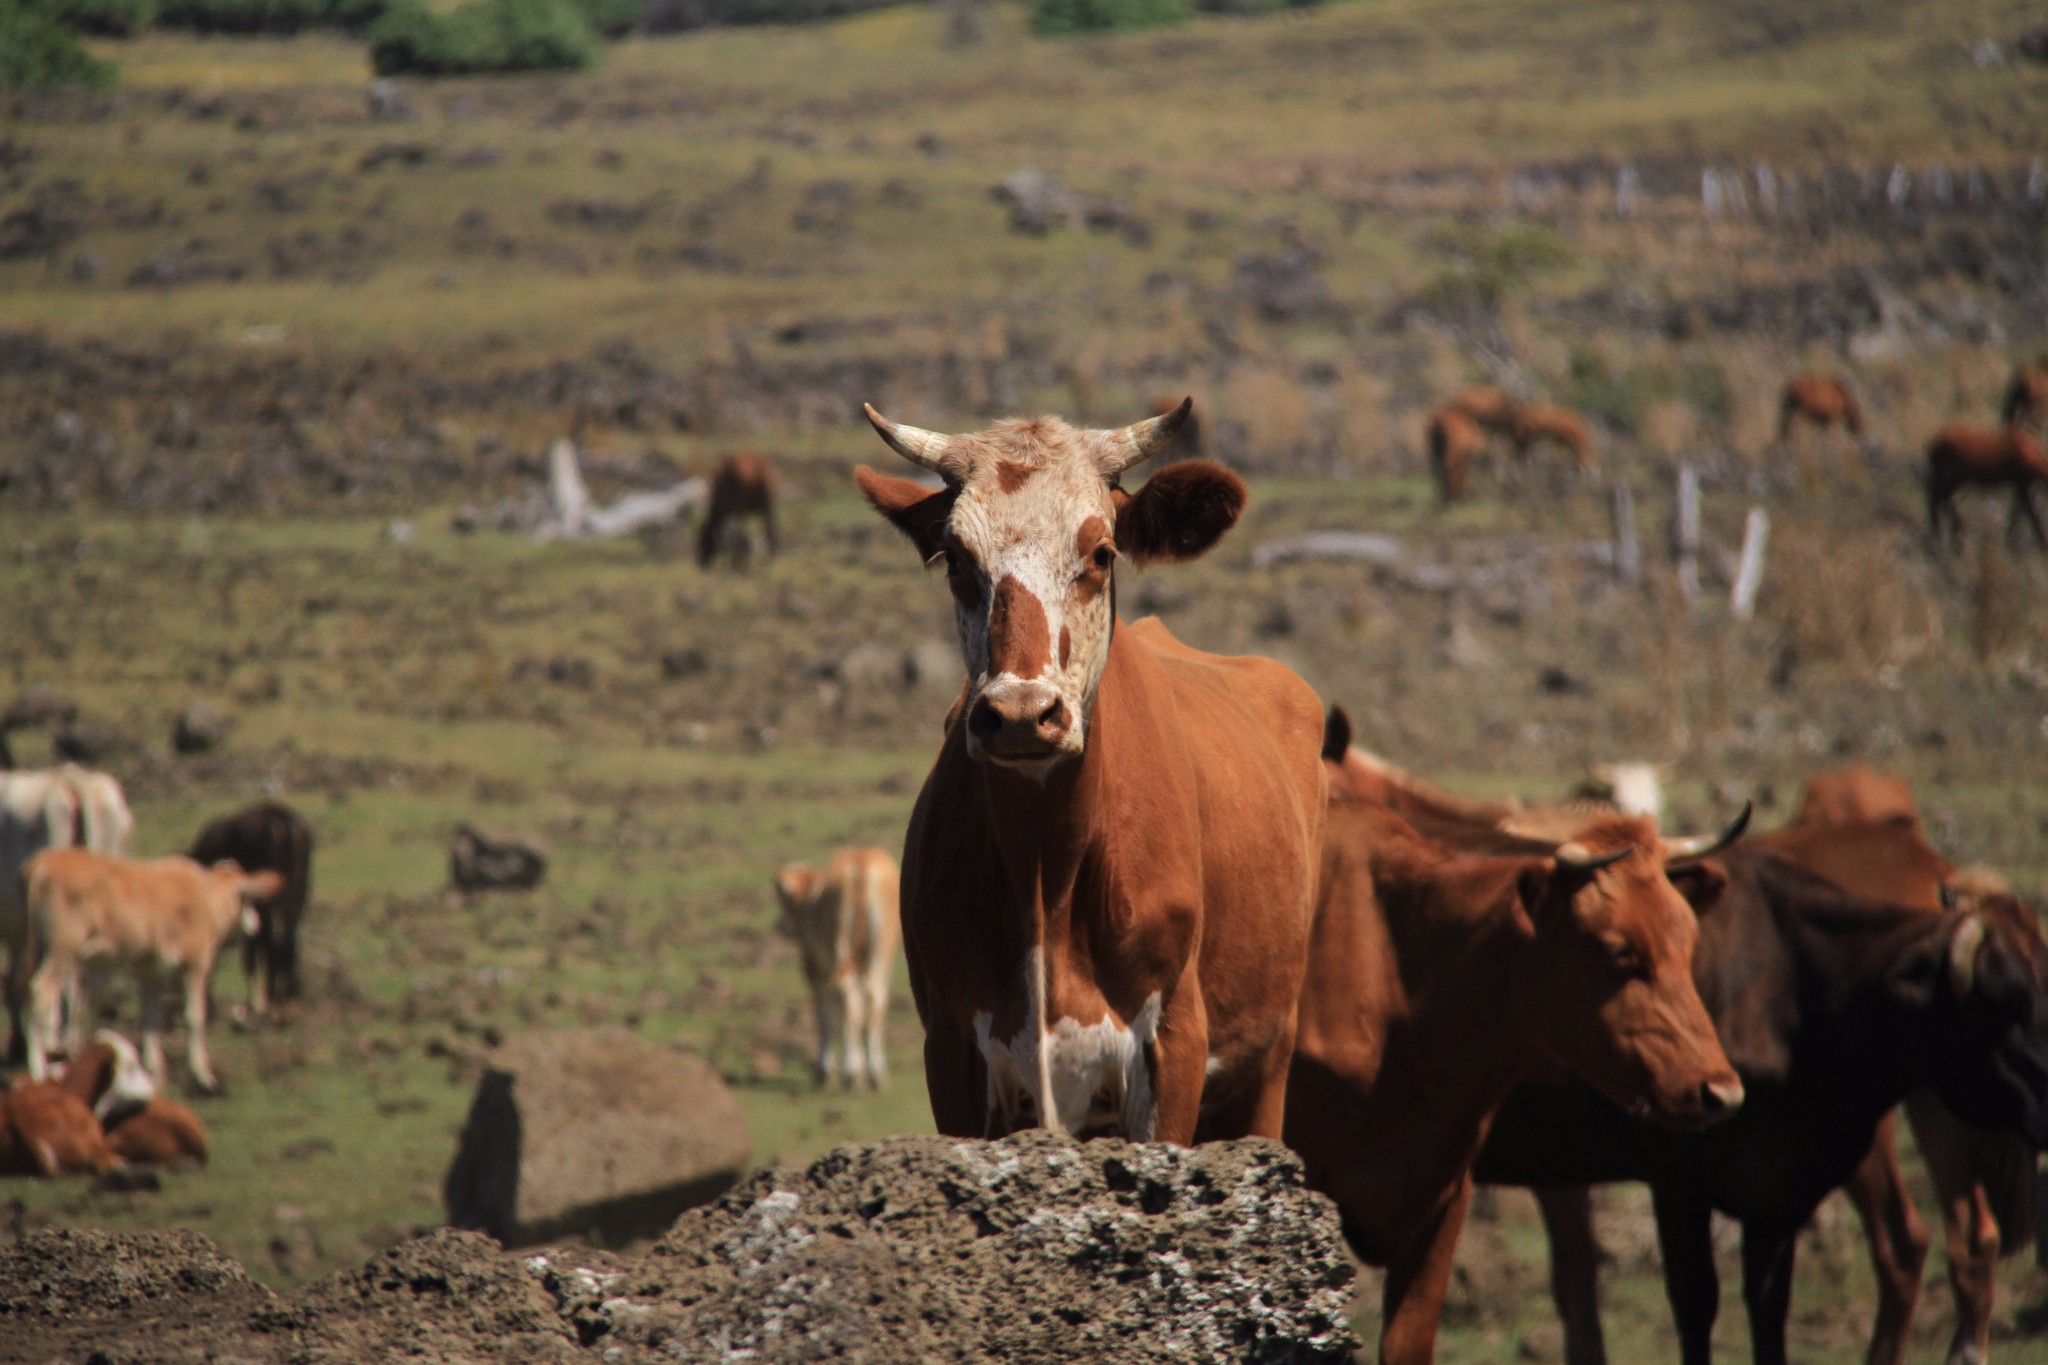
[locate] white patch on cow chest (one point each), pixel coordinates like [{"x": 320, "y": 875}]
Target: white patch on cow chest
[{"x": 1071, "y": 1077}]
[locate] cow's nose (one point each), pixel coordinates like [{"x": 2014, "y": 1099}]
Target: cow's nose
[
  {"x": 1027, "y": 720},
  {"x": 1720, "y": 1099}
]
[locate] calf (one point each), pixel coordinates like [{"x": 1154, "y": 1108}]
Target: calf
[
  {"x": 160, "y": 918},
  {"x": 1832, "y": 1006},
  {"x": 1436, "y": 979},
  {"x": 846, "y": 926},
  {"x": 742, "y": 486},
  {"x": 1962, "y": 457},
  {"x": 267, "y": 837},
  {"x": 1817, "y": 401},
  {"x": 1454, "y": 442},
  {"x": 45, "y": 1130},
  {"x": 141, "y": 1128}
]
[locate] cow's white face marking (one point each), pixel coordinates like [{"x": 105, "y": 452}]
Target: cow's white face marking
[
  {"x": 132, "y": 1086},
  {"x": 1068, "y": 1076}
]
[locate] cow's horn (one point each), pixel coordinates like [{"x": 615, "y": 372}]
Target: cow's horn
[
  {"x": 1579, "y": 858},
  {"x": 925, "y": 449},
  {"x": 1140, "y": 441},
  {"x": 1700, "y": 845},
  {"x": 1963, "y": 951}
]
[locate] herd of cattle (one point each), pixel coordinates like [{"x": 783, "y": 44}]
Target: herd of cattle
[
  {"x": 73, "y": 907},
  {"x": 2008, "y": 456},
  {"x": 1159, "y": 894}
]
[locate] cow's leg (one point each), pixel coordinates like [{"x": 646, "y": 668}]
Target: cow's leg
[
  {"x": 956, "y": 1084},
  {"x": 1574, "y": 1271},
  {"x": 2023, "y": 504},
  {"x": 1767, "y": 1255},
  {"x": 16, "y": 986},
  {"x": 1686, "y": 1236},
  {"x": 1261, "y": 1109},
  {"x": 195, "y": 1026},
  {"x": 1180, "y": 1065},
  {"x": 255, "y": 962},
  {"x": 852, "y": 1029},
  {"x": 825, "y": 999},
  {"x": 1951, "y": 1152},
  {"x": 768, "y": 527},
  {"x": 1413, "y": 1299},
  {"x": 876, "y": 988},
  {"x": 152, "y": 1001},
  {"x": 1898, "y": 1244},
  {"x": 45, "y": 1003}
]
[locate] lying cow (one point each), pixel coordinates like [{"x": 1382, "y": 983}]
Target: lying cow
[
  {"x": 1437, "y": 979},
  {"x": 846, "y": 926},
  {"x": 142, "y": 1128},
  {"x": 159, "y": 918},
  {"x": 45, "y": 1130},
  {"x": 267, "y": 837},
  {"x": 1833, "y": 1007}
]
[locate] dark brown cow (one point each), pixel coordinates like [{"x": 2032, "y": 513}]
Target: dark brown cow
[
  {"x": 1833, "y": 1007},
  {"x": 2026, "y": 396},
  {"x": 1436, "y": 980},
  {"x": 1109, "y": 875},
  {"x": 267, "y": 837},
  {"x": 1963, "y": 457},
  {"x": 1820, "y": 402},
  {"x": 743, "y": 486},
  {"x": 1534, "y": 423},
  {"x": 1455, "y": 441},
  {"x": 1860, "y": 829}
]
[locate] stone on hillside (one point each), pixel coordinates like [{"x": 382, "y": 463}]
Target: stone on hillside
[
  {"x": 200, "y": 728},
  {"x": 87, "y": 740},
  {"x": 580, "y": 1132}
]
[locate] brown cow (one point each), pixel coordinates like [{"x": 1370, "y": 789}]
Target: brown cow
[
  {"x": 1487, "y": 407},
  {"x": 1455, "y": 441},
  {"x": 45, "y": 1130},
  {"x": 846, "y": 925},
  {"x": 159, "y": 918},
  {"x": 1962, "y": 456},
  {"x": 267, "y": 837},
  {"x": 141, "y": 1128},
  {"x": 743, "y": 486},
  {"x": 2026, "y": 397},
  {"x": 1437, "y": 979},
  {"x": 1820, "y": 402},
  {"x": 1860, "y": 829},
  {"x": 1534, "y": 423},
  {"x": 1109, "y": 875}
]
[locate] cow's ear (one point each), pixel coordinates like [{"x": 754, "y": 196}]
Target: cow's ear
[
  {"x": 1179, "y": 513},
  {"x": 1336, "y": 734},
  {"x": 912, "y": 508},
  {"x": 1702, "y": 883},
  {"x": 1532, "y": 888}
]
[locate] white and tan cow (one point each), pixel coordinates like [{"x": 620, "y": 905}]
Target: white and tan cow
[
  {"x": 846, "y": 926},
  {"x": 1109, "y": 875},
  {"x": 160, "y": 918}
]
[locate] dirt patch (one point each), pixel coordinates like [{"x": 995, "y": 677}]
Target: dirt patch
[{"x": 1033, "y": 1249}]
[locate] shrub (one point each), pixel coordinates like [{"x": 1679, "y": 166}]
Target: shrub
[
  {"x": 482, "y": 36},
  {"x": 1054, "y": 17},
  {"x": 38, "y": 53},
  {"x": 108, "y": 18},
  {"x": 263, "y": 16},
  {"x": 610, "y": 18},
  {"x": 679, "y": 16}
]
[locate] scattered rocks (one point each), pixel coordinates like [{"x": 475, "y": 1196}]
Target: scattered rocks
[
  {"x": 391, "y": 103},
  {"x": 593, "y": 1132},
  {"x": 85, "y": 739},
  {"x": 477, "y": 862},
  {"x": 38, "y": 705},
  {"x": 1038, "y": 202},
  {"x": 200, "y": 728}
]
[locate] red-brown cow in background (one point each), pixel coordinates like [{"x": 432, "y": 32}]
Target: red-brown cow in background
[
  {"x": 743, "y": 486},
  {"x": 1135, "y": 824},
  {"x": 1820, "y": 402},
  {"x": 1533, "y": 424},
  {"x": 1973, "y": 457},
  {"x": 2026, "y": 396},
  {"x": 1455, "y": 441}
]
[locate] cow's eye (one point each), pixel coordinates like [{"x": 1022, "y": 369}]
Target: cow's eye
[
  {"x": 1104, "y": 556},
  {"x": 1622, "y": 955}
]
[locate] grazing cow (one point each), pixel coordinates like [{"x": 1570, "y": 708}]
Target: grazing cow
[
  {"x": 1860, "y": 829},
  {"x": 1819, "y": 402},
  {"x": 1131, "y": 826},
  {"x": 142, "y": 1129},
  {"x": 267, "y": 837},
  {"x": 1962, "y": 457},
  {"x": 1832, "y": 1006},
  {"x": 1455, "y": 441},
  {"x": 45, "y": 1130},
  {"x": 2026, "y": 397},
  {"x": 742, "y": 486},
  {"x": 1534, "y": 423},
  {"x": 159, "y": 918},
  {"x": 1437, "y": 979},
  {"x": 38, "y": 810},
  {"x": 846, "y": 926},
  {"x": 1485, "y": 406}
]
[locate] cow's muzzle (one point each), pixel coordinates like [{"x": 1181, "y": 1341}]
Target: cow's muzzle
[{"x": 1019, "y": 721}]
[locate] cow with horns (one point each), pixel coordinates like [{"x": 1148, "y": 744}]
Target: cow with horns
[{"x": 1109, "y": 875}]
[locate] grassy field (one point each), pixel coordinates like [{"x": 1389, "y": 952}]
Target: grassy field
[{"x": 259, "y": 328}]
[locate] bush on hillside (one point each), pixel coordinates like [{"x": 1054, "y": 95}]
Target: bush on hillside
[
  {"x": 106, "y": 18},
  {"x": 38, "y": 53},
  {"x": 678, "y": 16},
  {"x": 264, "y": 16},
  {"x": 1054, "y": 17},
  {"x": 610, "y": 18},
  {"x": 481, "y": 36}
]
